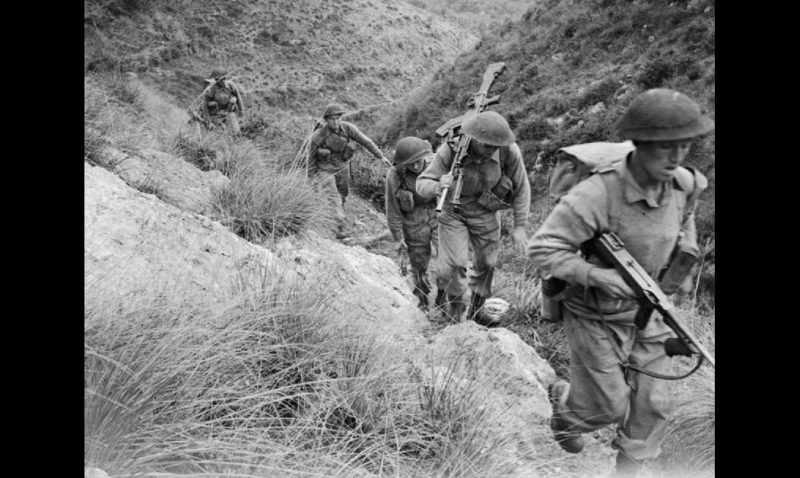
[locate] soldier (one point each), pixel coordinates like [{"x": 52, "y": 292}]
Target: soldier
[
  {"x": 493, "y": 166},
  {"x": 412, "y": 218},
  {"x": 330, "y": 150},
  {"x": 222, "y": 103},
  {"x": 646, "y": 198}
]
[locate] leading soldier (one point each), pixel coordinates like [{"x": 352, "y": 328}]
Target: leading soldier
[
  {"x": 492, "y": 168},
  {"x": 648, "y": 200}
]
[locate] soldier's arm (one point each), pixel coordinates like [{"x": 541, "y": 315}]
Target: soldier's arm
[
  {"x": 238, "y": 93},
  {"x": 428, "y": 180},
  {"x": 522, "y": 187},
  {"x": 394, "y": 216},
  {"x": 576, "y": 218},
  {"x": 362, "y": 139}
]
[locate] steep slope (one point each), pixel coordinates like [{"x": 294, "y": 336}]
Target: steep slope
[{"x": 295, "y": 55}]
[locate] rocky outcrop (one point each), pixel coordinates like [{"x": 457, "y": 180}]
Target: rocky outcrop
[
  {"x": 170, "y": 178},
  {"x": 502, "y": 372}
]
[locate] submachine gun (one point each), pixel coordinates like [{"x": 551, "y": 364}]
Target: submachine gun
[
  {"x": 451, "y": 132},
  {"x": 609, "y": 247}
]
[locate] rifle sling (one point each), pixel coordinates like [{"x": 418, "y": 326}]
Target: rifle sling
[{"x": 624, "y": 360}]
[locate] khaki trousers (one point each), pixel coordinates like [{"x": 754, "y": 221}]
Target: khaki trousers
[
  {"x": 601, "y": 394},
  {"x": 476, "y": 227}
]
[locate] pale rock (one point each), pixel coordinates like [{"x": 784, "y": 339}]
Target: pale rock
[
  {"x": 178, "y": 182},
  {"x": 91, "y": 472},
  {"x": 507, "y": 374}
]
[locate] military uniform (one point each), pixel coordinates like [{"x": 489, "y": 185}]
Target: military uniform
[
  {"x": 412, "y": 219},
  {"x": 329, "y": 158},
  {"x": 222, "y": 102},
  {"x": 600, "y": 393},
  {"x": 474, "y": 225}
]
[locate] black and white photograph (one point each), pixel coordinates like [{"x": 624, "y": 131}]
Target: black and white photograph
[{"x": 399, "y": 239}]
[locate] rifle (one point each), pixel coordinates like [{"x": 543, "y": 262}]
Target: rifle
[
  {"x": 452, "y": 129},
  {"x": 610, "y": 248}
]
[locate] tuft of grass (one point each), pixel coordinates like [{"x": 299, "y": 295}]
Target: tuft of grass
[
  {"x": 260, "y": 204},
  {"x": 263, "y": 387}
]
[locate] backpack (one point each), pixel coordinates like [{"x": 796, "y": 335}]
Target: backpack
[{"x": 578, "y": 162}]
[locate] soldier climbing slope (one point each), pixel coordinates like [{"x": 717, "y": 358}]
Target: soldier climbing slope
[
  {"x": 648, "y": 200},
  {"x": 221, "y": 103},
  {"x": 329, "y": 152},
  {"x": 494, "y": 178},
  {"x": 412, "y": 218}
]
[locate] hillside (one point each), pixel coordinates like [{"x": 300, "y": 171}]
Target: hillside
[
  {"x": 291, "y": 55},
  {"x": 231, "y": 330}
]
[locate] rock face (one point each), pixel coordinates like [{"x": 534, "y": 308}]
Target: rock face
[
  {"x": 174, "y": 180},
  {"x": 135, "y": 243},
  {"x": 510, "y": 376}
]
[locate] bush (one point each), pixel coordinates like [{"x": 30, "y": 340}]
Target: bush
[{"x": 260, "y": 203}]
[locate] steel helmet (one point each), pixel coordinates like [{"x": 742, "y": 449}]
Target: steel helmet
[
  {"x": 410, "y": 149},
  {"x": 495, "y": 309},
  {"x": 490, "y": 128},
  {"x": 333, "y": 109},
  {"x": 662, "y": 114},
  {"x": 216, "y": 75}
]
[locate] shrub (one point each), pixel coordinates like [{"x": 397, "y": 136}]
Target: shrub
[
  {"x": 260, "y": 203},
  {"x": 654, "y": 74}
]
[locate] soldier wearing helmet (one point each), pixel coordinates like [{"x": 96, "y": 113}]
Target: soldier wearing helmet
[
  {"x": 330, "y": 150},
  {"x": 412, "y": 218},
  {"x": 494, "y": 178},
  {"x": 222, "y": 103},
  {"x": 648, "y": 199}
]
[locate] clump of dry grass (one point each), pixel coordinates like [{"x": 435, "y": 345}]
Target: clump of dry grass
[
  {"x": 260, "y": 204},
  {"x": 263, "y": 387}
]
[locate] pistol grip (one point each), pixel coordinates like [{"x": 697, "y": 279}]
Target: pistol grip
[{"x": 643, "y": 316}]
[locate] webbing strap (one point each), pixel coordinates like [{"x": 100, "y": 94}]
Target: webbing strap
[{"x": 624, "y": 363}]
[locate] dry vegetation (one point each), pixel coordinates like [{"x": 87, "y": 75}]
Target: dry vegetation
[{"x": 255, "y": 389}]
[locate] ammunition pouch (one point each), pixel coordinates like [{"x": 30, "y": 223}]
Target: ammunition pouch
[
  {"x": 491, "y": 202},
  {"x": 406, "y": 200},
  {"x": 349, "y": 150},
  {"x": 683, "y": 260},
  {"x": 503, "y": 187},
  {"x": 552, "y": 289}
]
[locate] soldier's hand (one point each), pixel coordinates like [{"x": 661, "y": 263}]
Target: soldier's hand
[
  {"x": 519, "y": 239},
  {"x": 402, "y": 252},
  {"x": 446, "y": 180},
  {"x": 386, "y": 161},
  {"x": 611, "y": 282}
]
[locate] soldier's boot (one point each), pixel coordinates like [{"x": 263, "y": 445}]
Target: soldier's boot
[
  {"x": 454, "y": 310},
  {"x": 626, "y": 466},
  {"x": 441, "y": 299},
  {"x": 475, "y": 313},
  {"x": 571, "y": 442}
]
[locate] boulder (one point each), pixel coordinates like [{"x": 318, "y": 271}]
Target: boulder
[{"x": 511, "y": 376}]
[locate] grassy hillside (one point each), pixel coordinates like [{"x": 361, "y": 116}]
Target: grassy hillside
[{"x": 292, "y": 55}]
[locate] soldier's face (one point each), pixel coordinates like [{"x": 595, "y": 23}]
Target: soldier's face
[
  {"x": 334, "y": 121},
  {"x": 660, "y": 159},
  {"x": 483, "y": 150},
  {"x": 417, "y": 166}
]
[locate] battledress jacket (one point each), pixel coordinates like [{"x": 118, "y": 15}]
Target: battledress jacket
[
  {"x": 612, "y": 201},
  {"x": 476, "y": 176},
  {"x": 325, "y": 137},
  {"x": 395, "y": 217}
]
